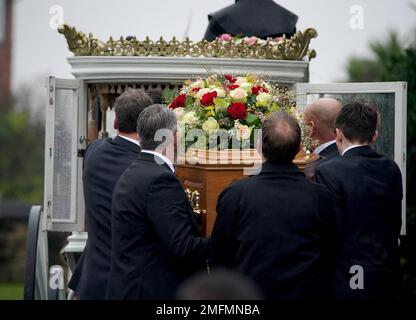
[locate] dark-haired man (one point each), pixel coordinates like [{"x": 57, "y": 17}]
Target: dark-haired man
[
  {"x": 277, "y": 227},
  {"x": 155, "y": 242},
  {"x": 104, "y": 162},
  {"x": 369, "y": 187}
]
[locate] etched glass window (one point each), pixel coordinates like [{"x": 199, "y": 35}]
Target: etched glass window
[
  {"x": 3, "y": 21},
  {"x": 384, "y": 102},
  {"x": 65, "y": 102}
]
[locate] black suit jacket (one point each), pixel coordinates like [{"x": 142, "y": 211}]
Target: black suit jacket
[
  {"x": 155, "y": 245},
  {"x": 105, "y": 160},
  {"x": 325, "y": 155},
  {"x": 277, "y": 228},
  {"x": 369, "y": 187},
  {"x": 329, "y": 153}
]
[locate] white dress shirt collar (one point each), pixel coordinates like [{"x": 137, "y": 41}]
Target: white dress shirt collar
[
  {"x": 352, "y": 147},
  {"x": 162, "y": 157},
  {"x": 130, "y": 139},
  {"x": 322, "y": 147}
]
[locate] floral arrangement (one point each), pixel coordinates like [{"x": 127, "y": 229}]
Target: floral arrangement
[
  {"x": 231, "y": 106},
  {"x": 225, "y": 37}
]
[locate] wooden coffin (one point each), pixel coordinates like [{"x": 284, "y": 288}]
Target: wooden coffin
[{"x": 205, "y": 174}]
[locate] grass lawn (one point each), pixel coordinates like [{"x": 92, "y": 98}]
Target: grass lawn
[{"x": 11, "y": 291}]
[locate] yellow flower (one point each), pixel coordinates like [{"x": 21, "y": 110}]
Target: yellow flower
[
  {"x": 210, "y": 110},
  {"x": 251, "y": 78}
]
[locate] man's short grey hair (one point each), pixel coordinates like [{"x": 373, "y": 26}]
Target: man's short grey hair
[{"x": 152, "y": 119}]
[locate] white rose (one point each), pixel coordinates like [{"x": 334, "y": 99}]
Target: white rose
[
  {"x": 263, "y": 99},
  {"x": 243, "y": 132},
  {"x": 220, "y": 92},
  {"x": 197, "y": 84},
  {"x": 190, "y": 118},
  {"x": 239, "y": 95},
  {"x": 240, "y": 80},
  {"x": 246, "y": 86},
  {"x": 180, "y": 112},
  {"x": 210, "y": 126}
]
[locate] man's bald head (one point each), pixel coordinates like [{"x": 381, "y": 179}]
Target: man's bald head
[
  {"x": 321, "y": 115},
  {"x": 281, "y": 138}
]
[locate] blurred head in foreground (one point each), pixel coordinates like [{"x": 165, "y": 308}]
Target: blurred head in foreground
[{"x": 220, "y": 285}]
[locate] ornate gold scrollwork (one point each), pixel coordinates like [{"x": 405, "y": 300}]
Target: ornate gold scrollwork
[
  {"x": 193, "y": 197},
  {"x": 295, "y": 48}
]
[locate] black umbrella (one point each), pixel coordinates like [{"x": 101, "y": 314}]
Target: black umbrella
[{"x": 260, "y": 18}]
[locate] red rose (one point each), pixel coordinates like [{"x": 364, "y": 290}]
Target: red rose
[
  {"x": 256, "y": 90},
  {"x": 233, "y": 86},
  {"x": 178, "y": 102},
  {"x": 230, "y": 78},
  {"x": 208, "y": 98},
  {"x": 237, "y": 110},
  {"x": 196, "y": 89}
]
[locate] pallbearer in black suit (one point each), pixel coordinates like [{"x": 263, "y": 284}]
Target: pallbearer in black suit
[
  {"x": 155, "y": 242},
  {"x": 277, "y": 227},
  {"x": 320, "y": 115},
  {"x": 105, "y": 160},
  {"x": 369, "y": 186}
]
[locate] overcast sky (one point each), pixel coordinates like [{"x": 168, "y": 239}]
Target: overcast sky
[{"x": 39, "y": 50}]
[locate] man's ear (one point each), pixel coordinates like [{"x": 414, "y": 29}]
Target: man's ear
[
  {"x": 339, "y": 136},
  {"x": 339, "y": 140},
  {"x": 115, "y": 124},
  {"x": 375, "y": 136},
  {"x": 313, "y": 128}
]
